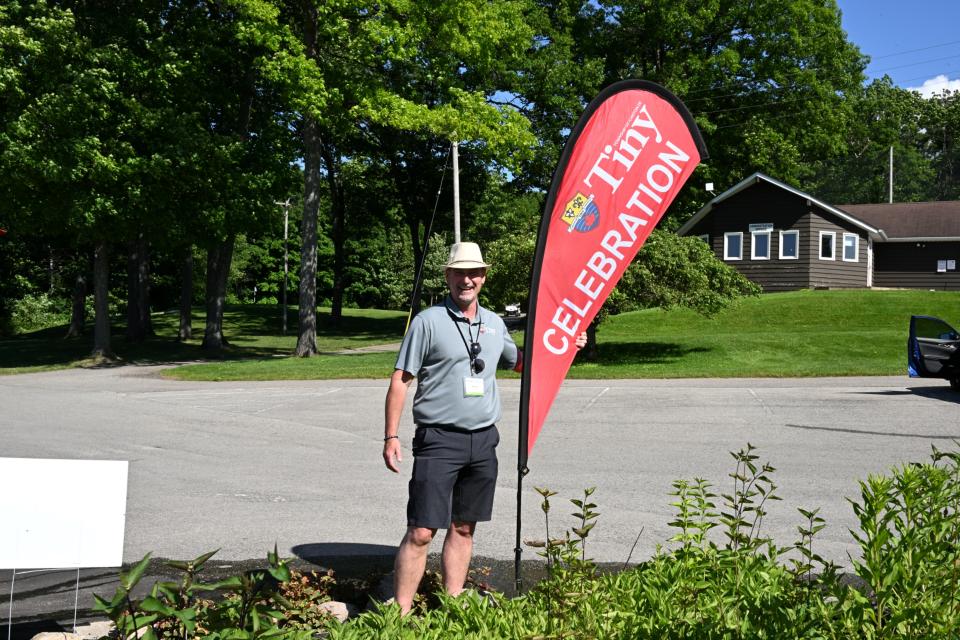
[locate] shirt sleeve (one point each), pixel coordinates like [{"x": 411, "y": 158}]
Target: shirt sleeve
[{"x": 412, "y": 349}]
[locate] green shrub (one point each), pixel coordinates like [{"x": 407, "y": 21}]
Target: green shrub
[
  {"x": 697, "y": 588},
  {"x": 38, "y": 311},
  {"x": 910, "y": 541},
  {"x": 703, "y": 586},
  {"x": 267, "y": 603}
]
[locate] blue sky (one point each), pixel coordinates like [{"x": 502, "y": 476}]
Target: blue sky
[{"x": 915, "y": 42}]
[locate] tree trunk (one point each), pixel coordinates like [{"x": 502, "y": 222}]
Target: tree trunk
[
  {"x": 338, "y": 207},
  {"x": 78, "y": 315},
  {"x": 307, "y": 339},
  {"x": 307, "y": 330},
  {"x": 218, "y": 270},
  {"x": 139, "y": 326},
  {"x": 186, "y": 296},
  {"x": 101, "y": 302}
]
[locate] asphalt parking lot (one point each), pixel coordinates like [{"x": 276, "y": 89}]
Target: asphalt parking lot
[{"x": 244, "y": 466}]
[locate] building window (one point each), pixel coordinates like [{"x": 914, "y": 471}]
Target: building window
[
  {"x": 760, "y": 245},
  {"x": 851, "y": 247},
  {"x": 828, "y": 241},
  {"x": 733, "y": 245},
  {"x": 705, "y": 237},
  {"x": 789, "y": 245}
]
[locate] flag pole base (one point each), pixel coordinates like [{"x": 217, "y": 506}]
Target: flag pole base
[{"x": 522, "y": 470}]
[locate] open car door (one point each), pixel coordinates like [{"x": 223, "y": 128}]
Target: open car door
[{"x": 933, "y": 350}]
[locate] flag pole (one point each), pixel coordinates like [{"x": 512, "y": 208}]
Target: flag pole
[
  {"x": 523, "y": 433},
  {"x": 659, "y": 172},
  {"x": 518, "y": 550}
]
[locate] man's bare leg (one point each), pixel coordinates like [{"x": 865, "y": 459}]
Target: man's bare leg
[
  {"x": 457, "y": 549},
  {"x": 409, "y": 565}
]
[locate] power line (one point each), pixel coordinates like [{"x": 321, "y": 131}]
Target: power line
[
  {"x": 914, "y": 64},
  {"x": 900, "y": 53},
  {"x": 733, "y": 95},
  {"x": 753, "y": 106},
  {"x": 687, "y": 97},
  {"x": 927, "y": 76},
  {"x": 766, "y": 119}
]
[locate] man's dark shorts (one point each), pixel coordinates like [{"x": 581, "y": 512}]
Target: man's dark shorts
[{"x": 454, "y": 476}]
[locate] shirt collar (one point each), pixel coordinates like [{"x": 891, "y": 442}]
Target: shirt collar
[{"x": 454, "y": 310}]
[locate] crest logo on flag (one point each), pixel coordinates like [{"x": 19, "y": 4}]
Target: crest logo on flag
[{"x": 581, "y": 214}]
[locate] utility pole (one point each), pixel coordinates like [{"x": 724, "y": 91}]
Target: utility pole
[
  {"x": 891, "y": 175},
  {"x": 286, "y": 234},
  {"x": 456, "y": 192}
]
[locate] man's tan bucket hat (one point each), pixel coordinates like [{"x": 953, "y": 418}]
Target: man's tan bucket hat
[{"x": 465, "y": 255}]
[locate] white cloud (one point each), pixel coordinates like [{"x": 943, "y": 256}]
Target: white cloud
[{"x": 937, "y": 85}]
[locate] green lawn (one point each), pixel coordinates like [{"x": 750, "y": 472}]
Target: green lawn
[
  {"x": 252, "y": 330},
  {"x": 802, "y": 333}
]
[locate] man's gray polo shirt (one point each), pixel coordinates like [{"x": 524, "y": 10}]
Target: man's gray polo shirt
[{"x": 435, "y": 351}]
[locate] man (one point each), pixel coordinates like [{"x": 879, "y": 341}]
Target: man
[{"x": 453, "y": 350}]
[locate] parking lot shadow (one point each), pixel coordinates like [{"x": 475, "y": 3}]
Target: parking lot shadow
[
  {"x": 643, "y": 352},
  {"x": 944, "y": 393},
  {"x": 348, "y": 559}
]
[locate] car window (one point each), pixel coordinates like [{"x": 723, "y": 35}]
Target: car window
[{"x": 935, "y": 329}]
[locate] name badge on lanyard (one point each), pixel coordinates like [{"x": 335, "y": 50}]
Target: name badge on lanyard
[{"x": 472, "y": 387}]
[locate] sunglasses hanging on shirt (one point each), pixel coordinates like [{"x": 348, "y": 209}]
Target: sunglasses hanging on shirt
[{"x": 477, "y": 364}]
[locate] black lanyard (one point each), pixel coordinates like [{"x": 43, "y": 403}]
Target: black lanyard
[{"x": 470, "y": 354}]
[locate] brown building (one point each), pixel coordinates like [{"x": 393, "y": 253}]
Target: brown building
[{"x": 784, "y": 239}]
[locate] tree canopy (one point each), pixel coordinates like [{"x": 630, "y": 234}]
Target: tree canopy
[{"x": 162, "y": 138}]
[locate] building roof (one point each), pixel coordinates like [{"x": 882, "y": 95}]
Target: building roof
[
  {"x": 760, "y": 177},
  {"x": 911, "y": 221}
]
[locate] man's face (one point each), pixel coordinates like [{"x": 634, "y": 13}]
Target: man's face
[{"x": 465, "y": 285}]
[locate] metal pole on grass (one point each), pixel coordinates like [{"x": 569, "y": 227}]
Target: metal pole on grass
[
  {"x": 286, "y": 235},
  {"x": 456, "y": 192}
]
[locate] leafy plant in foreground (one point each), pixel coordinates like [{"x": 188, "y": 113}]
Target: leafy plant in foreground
[
  {"x": 571, "y": 574},
  {"x": 910, "y": 550},
  {"x": 253, "y": 605},
  {"x": 744, "y": 515},
  {"x": 702, "y": 586}
]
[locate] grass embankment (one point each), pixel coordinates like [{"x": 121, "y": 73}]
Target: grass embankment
[
  {"x": 252, "y": 330},
  {"x": 801, "y": 333}
]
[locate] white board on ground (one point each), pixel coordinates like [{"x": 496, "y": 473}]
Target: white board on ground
[{"x": 61, "y": 513}]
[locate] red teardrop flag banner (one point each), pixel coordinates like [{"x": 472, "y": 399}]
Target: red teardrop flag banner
[{"x": 624, "y": 163}]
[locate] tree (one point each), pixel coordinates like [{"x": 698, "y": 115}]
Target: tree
[
  {"x": 239, "y": 158},
  {"x": 65, "y": 162},
  {"x": 561, "y": 73},
  {"x": 940, "y": 123},
  {"x": 767, "y": 81},
  {"x": 389, "y": 76},
  {"x": 883, "y": 116}
]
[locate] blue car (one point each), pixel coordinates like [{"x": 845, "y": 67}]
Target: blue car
[{"x": 933, "y": 350}]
